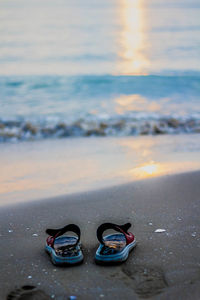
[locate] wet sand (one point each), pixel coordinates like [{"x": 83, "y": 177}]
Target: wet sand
[
  {"x": 163, "y": 265},
  {"x": 43, "y": 169}
]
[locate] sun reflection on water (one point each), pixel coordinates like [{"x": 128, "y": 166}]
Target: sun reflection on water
[
  {"x": 134, "y": 61},
  {"x": 149, "y": 169},
  {"x": 135, "y": 102},
  {"x": 146, "y": 170}
]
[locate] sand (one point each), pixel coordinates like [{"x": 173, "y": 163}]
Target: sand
[
  {"x": 164, "y": 265},
  {"x": 43, "y": 169}
]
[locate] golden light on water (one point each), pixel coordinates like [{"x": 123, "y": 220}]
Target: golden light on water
[
  {"x": 146, "y": 170},
  {"x": 132, "y": 38},
  {"x": 136, "y": 102},
  {"x": 149, "y": 169}
]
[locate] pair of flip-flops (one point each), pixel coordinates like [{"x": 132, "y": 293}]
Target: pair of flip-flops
[{"x": 67, "y": 249}]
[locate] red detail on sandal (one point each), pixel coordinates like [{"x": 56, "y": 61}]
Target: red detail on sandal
[
  {"x": 50, "y": 241},
  {"x": 128, "y": 235},
  {"x": 129, "y": 238}
]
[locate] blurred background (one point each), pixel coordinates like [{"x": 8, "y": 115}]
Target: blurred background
[
  {"x": 127, "y": 70},
  {"x": 98, "y": 67}
]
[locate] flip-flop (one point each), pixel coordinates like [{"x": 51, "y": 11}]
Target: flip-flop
[
  {"x": 64, "y": 249},
  {"x": 114, "y": 248}
]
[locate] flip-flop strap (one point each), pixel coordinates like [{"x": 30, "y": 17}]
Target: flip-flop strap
[
  {"x": 120, "y": 228},
  {"x": 58, "y": 232}
]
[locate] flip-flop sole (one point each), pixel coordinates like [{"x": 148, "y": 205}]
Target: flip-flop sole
[
  {"x": 64, "y": 260},
  {"x": 120, "y": 256}
]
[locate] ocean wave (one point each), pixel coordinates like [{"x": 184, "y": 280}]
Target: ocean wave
[{"x": 18, "y": 130}]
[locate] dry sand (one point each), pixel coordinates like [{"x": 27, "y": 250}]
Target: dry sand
[{"x": 163, "y": 265}]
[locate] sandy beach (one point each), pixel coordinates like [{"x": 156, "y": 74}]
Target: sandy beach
[
  {"x": 163, "y": 265},
  {"x": 44, "y": 169},
  {"x": 100, "y": 122}
]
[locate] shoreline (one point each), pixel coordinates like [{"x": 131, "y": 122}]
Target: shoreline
[
  {"x": 34, "y": 170},
  {"x": 163, "y": 265},
  {"x": 78, "y": 196}
]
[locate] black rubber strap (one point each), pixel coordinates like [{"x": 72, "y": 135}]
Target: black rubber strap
[
  {"x": 58, "y": 232},
  {"x": 105, "y": 226}
]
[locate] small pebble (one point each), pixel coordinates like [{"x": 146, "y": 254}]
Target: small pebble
[
  {"x": 29, "y": 277},
  {"x": 150, "y": 224},
  {"x": 160, "y": 230},
  {"x": 145, "y": 272},
  {"x": 35, "y": 234},
  {"x": 194, "y": 234},
  {"x": 10, "y": 230}
]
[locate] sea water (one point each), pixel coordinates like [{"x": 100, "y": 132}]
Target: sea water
[{"x": 99, "y": 68}]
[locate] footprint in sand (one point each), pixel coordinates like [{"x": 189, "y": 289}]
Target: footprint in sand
[
  {"x": 28, "y": 292},
  {"x": 147, "y": 281}
]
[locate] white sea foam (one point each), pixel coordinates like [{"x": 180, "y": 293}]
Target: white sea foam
[{"x": 115, "y": 126}]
